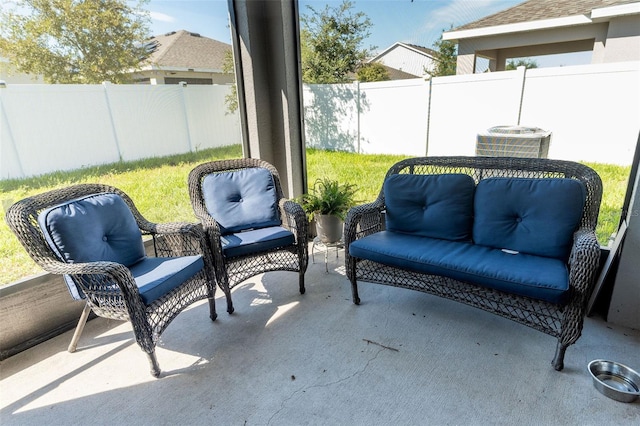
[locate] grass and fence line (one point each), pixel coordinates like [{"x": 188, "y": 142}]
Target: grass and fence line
[{"x": 158, "y": 186}]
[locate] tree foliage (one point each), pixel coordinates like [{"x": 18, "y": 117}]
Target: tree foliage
[
  {"x": 75, "y": 41},
  {"x": 372, "y": 71},
  {"x": 331, "y": 43},
  {"x": 446, "y": 61},
  {"x": 228, "y": 67},
  {"x": 512, "y": 64}
]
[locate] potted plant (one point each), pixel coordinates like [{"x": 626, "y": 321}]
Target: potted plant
[{"x": 327, "y": 204}]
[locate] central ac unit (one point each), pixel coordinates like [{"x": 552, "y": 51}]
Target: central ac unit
[{"x": 513, "y": 141}]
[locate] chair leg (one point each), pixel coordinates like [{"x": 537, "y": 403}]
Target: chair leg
[
  {"x": 354, "y": 292},
  {"x": 230, "y": 307},
  {"x": 227, "y": 291},
  {"x": 558, "y": 359},
  {"x": 81, "y": 322},
  {"x": 153, "y": 362},
  {"x": 212, "y": 309},
  {"x": 301, "y": 282}
]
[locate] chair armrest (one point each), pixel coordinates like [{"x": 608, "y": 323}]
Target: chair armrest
[
  {"x": 177, "y": 238},
  {"x": 583, "y": 264},
  {"x": 363, "y": 220},
  {"x": 294, "y": 219}
]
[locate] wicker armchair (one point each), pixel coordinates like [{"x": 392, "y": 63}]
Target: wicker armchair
[
  {"x": 92, "y": 234},
  {"x": 250, "y": 226}
]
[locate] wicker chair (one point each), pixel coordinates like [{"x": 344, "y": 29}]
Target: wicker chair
[
  {"x": 92, "y": 235},
  {"x": 563, "y": 321},
  {"x": 251, "y": 227}
]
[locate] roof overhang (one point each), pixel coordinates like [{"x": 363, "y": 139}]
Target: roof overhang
[
  {"x": 604, "y": 13},
  {"x": 597, "y": 15}
]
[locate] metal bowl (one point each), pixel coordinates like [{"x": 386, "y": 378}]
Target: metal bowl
[{"x": 615, "y": 380}]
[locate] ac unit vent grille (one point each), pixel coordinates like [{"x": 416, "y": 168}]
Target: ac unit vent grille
[{"x": 513, "y": 141}]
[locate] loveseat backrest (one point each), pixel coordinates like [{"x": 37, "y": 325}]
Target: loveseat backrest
[{"x": 480, "y": 168}]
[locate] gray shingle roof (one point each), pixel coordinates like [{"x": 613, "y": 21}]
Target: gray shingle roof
[
  {"x": 423, "y": 49},
  {"x": 396, "y": 74},
  {"x": 183, "y": 49},
  {"x": 535, "y": 10}
]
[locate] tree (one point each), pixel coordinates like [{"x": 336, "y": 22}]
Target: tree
[
  {"x": 372, "y": 71},
  {"x": 446, "y": 61},
  {"x": 228, "y": 67},
  {"x": 75, "y": 41},
  {"x": 512, "y": 64},
  {"x": 330, "y": 43}
]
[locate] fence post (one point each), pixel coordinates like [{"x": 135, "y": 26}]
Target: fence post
[
  {"x": 522, "y": 74},
  {"x": 5, "y": 122},
  {"x": 430, "y": 79},
  {"x": 106, "y": 84},
  {"x": 357, "y": 83},
  {"x": 183, "y": 85}
]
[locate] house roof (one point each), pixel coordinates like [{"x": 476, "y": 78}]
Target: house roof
[
  {"x": 418, "y": 49},
  {"x": 536, "y": 10},
  {"x": 396, "y": 74},
  {"x": 186, "y": 50}
]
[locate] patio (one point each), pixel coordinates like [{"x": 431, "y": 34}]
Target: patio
[{"x": 282, "y": 358}]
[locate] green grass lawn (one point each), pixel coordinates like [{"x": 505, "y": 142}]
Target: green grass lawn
[{"x": 158, "y": 186}]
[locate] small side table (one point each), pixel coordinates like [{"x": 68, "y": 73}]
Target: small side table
[{"x": 316, "y": 242}]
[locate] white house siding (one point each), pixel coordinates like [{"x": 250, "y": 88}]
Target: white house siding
[
  {"x": 623, "y": 40},
  {"x": 401, "y": 58}
]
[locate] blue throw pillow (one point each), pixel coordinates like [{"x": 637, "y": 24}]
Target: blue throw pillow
[
  {"x": 534, "y": 216},
  {"x": 241, "y": 200},
  {"x": 436, "y": 206},
  {"x": 95, "y": 228}
]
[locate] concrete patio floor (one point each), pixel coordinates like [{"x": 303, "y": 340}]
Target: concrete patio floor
[{"x": 400, "y": 358}]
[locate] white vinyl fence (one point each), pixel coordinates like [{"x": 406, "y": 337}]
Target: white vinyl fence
[
  {"x": 593, "y": 112},
  {"x": 45, "y": 128}
]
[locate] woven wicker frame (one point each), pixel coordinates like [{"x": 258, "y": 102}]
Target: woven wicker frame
[
  {"x": 564, "y": 322},
  {"x": 232, "y": 271},
  {"x": 109, "y": 287}
]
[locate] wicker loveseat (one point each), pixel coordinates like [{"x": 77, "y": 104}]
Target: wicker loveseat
[{"x": 512, "y": 236}]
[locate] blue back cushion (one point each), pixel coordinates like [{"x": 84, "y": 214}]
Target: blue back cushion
[
  {"x": 95, "y": 228},
  {"x": 436, "y": 206},
  {"x": 534, "y": 216},
  {"x": 240, "y": 200}
]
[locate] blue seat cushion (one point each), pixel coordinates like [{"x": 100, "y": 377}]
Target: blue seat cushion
[
  {"x": 536, "y": 277},
  {"x": 436, "y": 206},
  {"x": 95, "y": 228},
  {"x": 533, "y": 216},
  {"x": 157, "y": 276},
  {"x": 242, "y": 199},
  {"x": 255, "y": 241}
]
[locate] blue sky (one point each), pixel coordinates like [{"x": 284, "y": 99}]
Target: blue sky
[{"x": 417, "y": 22}]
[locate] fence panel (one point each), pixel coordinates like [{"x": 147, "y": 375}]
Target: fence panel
[
  {"x": 463, "y": 106},
  {"x": 46, "y": 128},
  {"x": 331, "y": 116},
  {"x": 394, "y": 117},
  {"x": 593, "y": 110},
  {"x": 56, "y": 127},
  {"x": 210, "y": 124}
]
